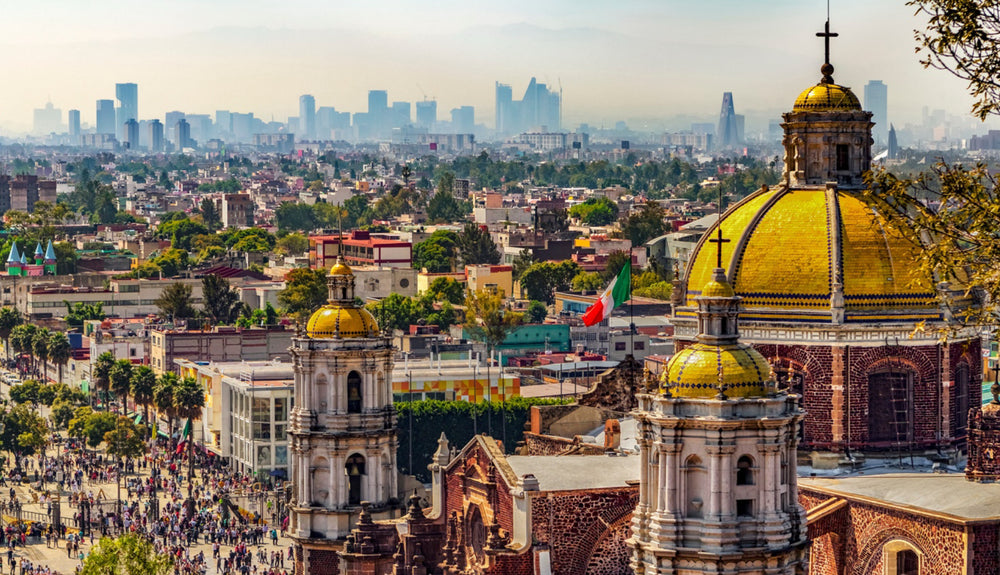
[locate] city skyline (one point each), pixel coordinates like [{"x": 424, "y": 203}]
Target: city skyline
[{"x": 640, "y": 60}]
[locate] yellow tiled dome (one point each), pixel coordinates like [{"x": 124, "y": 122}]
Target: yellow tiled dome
[
  {"x": 781, "y": 260},
  {"x": 824, "y": 97},
  {"x": 694, "y": 371},
  {"x": 334, "y": 320}
]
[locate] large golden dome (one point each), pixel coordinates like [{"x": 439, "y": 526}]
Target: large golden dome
[
  {"x": 334, "y": 320},
  {"x": 695, "y": 371},
  {"x": 825, "y": 97},
  {"x": 787, "y": 248}
]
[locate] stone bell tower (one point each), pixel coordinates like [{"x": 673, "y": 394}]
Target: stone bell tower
[
  {"x": 342, "y": 428},
  {"x": 717, "y": 440}
]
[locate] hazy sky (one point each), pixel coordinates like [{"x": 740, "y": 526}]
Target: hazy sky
[{"x": 615, "y": 59}]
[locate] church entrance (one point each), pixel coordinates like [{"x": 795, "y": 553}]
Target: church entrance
[{"x": 890, "y": 407}]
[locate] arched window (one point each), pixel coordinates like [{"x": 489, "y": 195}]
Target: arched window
[
  {"x": 890, "y": 405},
  {"x": 962, "y": 396},
  {"x": 695, "y": 480},
  {"x": 744, "y": 470},
  {"x": 354, "y": 392},
  {"x": 355, "y": 470}
]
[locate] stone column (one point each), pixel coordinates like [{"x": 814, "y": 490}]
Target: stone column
[{"x": 837, "y": 380}]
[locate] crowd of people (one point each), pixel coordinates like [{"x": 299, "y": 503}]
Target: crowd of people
[{"x": 153, "y": 504}]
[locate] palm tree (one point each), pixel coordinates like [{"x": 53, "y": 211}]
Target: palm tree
[
  {"x": 100, "y": 373},
  {"x": 40, "y": 347},
  {"x": 163, "y": 398},
  {"x": 60, "y": 350},
  {"x": 9, "y": 319},
  {"x": 189, "y": 400},
  {"x": 143, "y": 386},
  {"x": 121, "y": 381}
]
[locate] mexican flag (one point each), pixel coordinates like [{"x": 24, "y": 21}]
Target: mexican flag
[{"x": 617, "y": 293}]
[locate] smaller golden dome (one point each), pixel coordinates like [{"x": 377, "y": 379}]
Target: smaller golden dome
[
  {"x": 694, "y": 372},
  {"x": 333, "y": 320},
  {"x": 717, "y": 289},
  {"x": 826, "y": 97},
  {"x": 341, "y": 269}
]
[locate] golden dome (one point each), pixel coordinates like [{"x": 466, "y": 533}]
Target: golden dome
[
  {"x": 717, "y": 289},
  {"x": 825, "y": 97},
  {"x": 694, "y": 371},
  {"x": 341, "y": 269},
  {"x": 333, "y": 320},
  {"x": 787, "y": 246}
]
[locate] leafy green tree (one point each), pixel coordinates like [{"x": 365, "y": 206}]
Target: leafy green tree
[
  {"x": 476, "y": 246},
  {"x": 127, "y": 554},
  {"x": 305, "y": 291},
  {"x": 143, "y": 384},
  {"x": 295, "y": 216},
  {"x": 60, "y": 351},
  {"x": 437, "y": 253},
  {"x": 175, "y": 302},
  {"x": 599, "y": 211},
  {"x": 79, "y": 312},
  {"x": 9, "y": 319},
  {"x": 121, "y": 381},
  {"x": 23, "y": 431},
  {"x": 222, "y": 303},
  {"x": 100, "y": 373},
  {"x": 587, "y": 281},
  {"x": 293, "y": 244},
  {"x": 646, "y": 224},
  {"x": 537, "y": 311},
  {"x": 210, "y": 214}
]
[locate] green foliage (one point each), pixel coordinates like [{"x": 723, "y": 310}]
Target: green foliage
[
  {"x": 646, "y": 224},
  {"x": 305, "y": 291},
  {"x": 599, "y": 211},
  {"x": 456, "y": 419},
  {"x": 437, "y": 253},
  {"x": 175, "y": 302},
  {"x": 127, "y": 554},
  {"x": 542, "y": 279},
  {"x": 537, "y": 311},
  {"x": 23, "y": 431},
  {"x": 230, "y": 186},
  {"x": 222, "y": 303},
  {"x": 476, "y": 246}
]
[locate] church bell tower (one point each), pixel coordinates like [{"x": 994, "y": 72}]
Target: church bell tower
[{"x": 342, "y": 428}]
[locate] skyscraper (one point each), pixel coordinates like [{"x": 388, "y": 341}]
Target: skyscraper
[
  {"x": 307, "y": 117},
  {"x": 728, "y": 134},
  {"x": 876, "y": 102},
  {"x": 74, "y": 126},
  {"x": 106, "y": 117},
  {"x": 427, "y": 113},
  {"x": 504, "y": 103},
  {"x": 128, "y": 105},
  {"x": 156, "y": 136}
]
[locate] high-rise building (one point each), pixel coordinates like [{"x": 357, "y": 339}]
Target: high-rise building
[
  {"x": 504, "y": 104},
  {"x": 128, "y": 105},
  {"x": 131, "y": 133},
  {"x": 427, "y": 112},
  {"x": 182, "y": 134},
  {"x": 48, "y": 120},
  {"x": 729, "y": 132},
  {"x": 463, "y": 119},
  {"x": 74, "y": 126},
  {"x": 106, "y": 117},
  {"x": 307, "y": 117},
  {"x": 877, "y": 102},
  {"x": 156, "y": 136},
  {"x": 893, "y": 144}
]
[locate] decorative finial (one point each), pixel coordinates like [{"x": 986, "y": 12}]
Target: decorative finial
[{"x": 827, "y": 68}]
